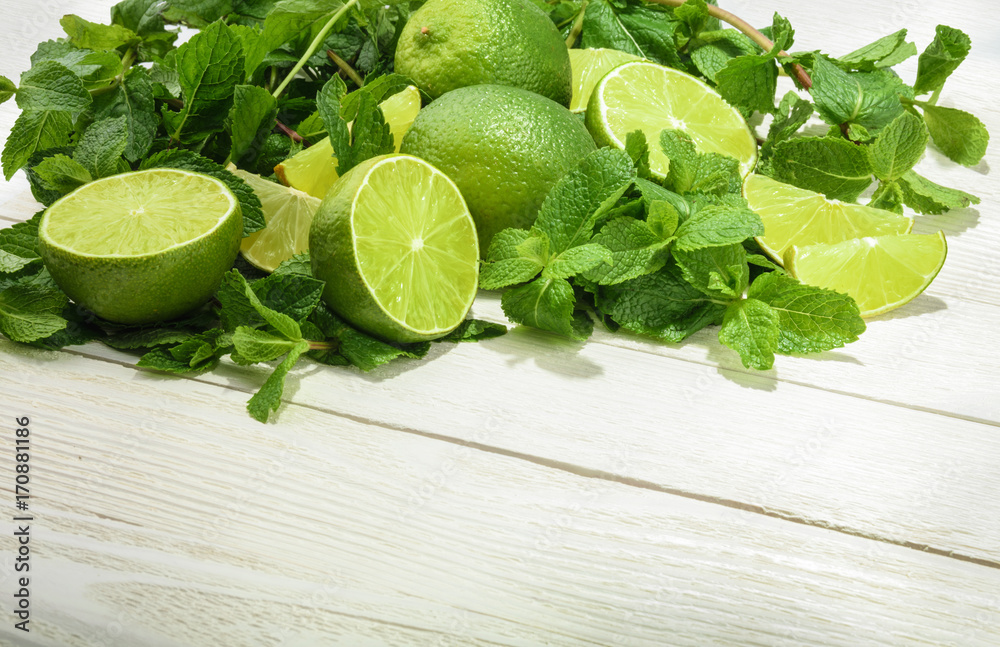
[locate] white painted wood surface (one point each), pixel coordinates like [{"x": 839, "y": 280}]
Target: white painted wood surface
[{"x": 531, "y": 491}]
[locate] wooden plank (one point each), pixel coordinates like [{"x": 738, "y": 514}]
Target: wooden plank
[{"x": 162, "y": 511}]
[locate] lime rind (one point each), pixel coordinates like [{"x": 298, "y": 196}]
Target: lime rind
[
  {"x": 881, "y": 273},
  {"x": 110, "y": 210},
  {"x": 589, "y": 66}
]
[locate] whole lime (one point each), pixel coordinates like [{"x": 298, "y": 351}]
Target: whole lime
[
  {"x": 142, "y": 247},
  {"x": 503, "y": 147},
  {"x": 449, "y": 44}
]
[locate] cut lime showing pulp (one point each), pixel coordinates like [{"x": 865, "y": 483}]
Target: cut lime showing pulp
[
  {"x": 649, "y": 97},
  {"x": 288, "y": 213},
  {"x": 589, "y": 66},
  {"x": 314, "y": 169},
  {"x": 396, "y": 245},
  {"x": 879, "y": 272},
  {"x": 144, "y": 246},
  {"x": 794, "y": 216}
]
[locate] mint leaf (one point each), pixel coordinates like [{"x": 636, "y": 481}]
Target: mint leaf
[
  {"x": 577, "y": 260},
  {"x": 638, "y": 150},
  {"x": 240, "y": 301},
  {"x": 7, "y": 89},
  {"x": 869, "y": 99},
  {"x": 661, "y": 304},
  {"x": 472, "y": 330},
  {"x": 30, "y": 312},
  {"x": 884, "y": 52},
  {"x": 719, "y": 272},
  {"x": 749, "y": 82},
  {"x": 690, "y": 171},
  {"x": 833, "y": 166},
  {"x": 810, "y": 319},
  {"x": 90, "y": 35},
  {"x": 603, "y": 29},
  {"x": 202, "y": 351},
  {"x": 251, "y": 119},
  {"x": 573, "y": 204},
  {"x": 101, "y": 147},
  {"x": 793, "y": 112},
  {"x": 715, "y": 226},
  {"x": 751, "y": 328},
  {"x": 713, "y": 49},
  {"x": 958, "y": 134},
  {"x": 635, "y": 250},
  {"x": 160, "y": 359},
  {"x": 253, "y": 216},
  {"x": 694, "y": 17},
  {"x": 293, "y": 19},
  {"x": 652, "y": 192},
  {"x": 196, "y": 13},
  {"x": 256, "y": 346},
  {"x": 62, "y": 173},
  {"x": 52, "y": 86},
  {"x": 942, "y": 57},
  {"x": 358, "y": 348},
  {"x": 547, "y": 304},
  {"x": 18, "y": 245},
  {"x": 505, "y": 265},
  {"x": 140, "y": 16},
  {"x": 924, "y": 196},
  {"x": 370, "y": 135},
  {"x": 898, "y": 147},
  {"x": 268, "y": 398},
  {"x": 888, "y": 196},
  {"x": 209, "y": 68},
  {"x": 34, "y": 130},
  {"x": 133, "y": 100},
  {"x": 299, "y": 265}
]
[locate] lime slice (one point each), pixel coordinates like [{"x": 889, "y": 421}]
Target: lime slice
[
  {"x": 396, "y": 245},
  {"x": 794, "y": 216},
  {"x": 650, "y": 97},
  {"x": 142, "y": 247},
  {"x": 288, "y": 213},
  {"x": 314, "y": 169},
  {"x": 589, "y": 66},
  {"x": 879, "y": 272}
]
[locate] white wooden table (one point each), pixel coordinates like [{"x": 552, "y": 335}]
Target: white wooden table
[{"x": 529, "y": 490}]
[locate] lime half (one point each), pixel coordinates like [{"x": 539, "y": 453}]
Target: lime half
[
  {"x": 288, "y": 213},
  {"x": 314, "y": 169},
  {"x": 589, "y": 66},
  {"x": 396, "y": 245},
  {"x": 650, "y": 97},
  {"x": 794, "y": 216},
  {"x": 144, "y": 246},
  {"x": 879, "y": 272}
]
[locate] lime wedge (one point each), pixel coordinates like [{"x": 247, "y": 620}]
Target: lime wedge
[
  {"x": 288, "y": 213},
  {"x": 589, "y": 66},
  {"x": 144, "y": 246},
  {"x": 396, "y": 245},
  {"x": 879, "y": 272},
  {"x": 794, "y": 216},
  {"x": 650, "y": 97},
  {"x": 314, "y": 169}
]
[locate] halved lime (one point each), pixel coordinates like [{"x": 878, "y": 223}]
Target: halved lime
[
  {"x": 650, "y": 97},
  {"x": 879, "y": 272},
  {"x": 288, "y": 213},
  {"x": 794, "y": 216},
  {"x": 314, "y": 169},
  {"x": 589, "y": 66},
  {"x": 396, "y": 245},
  {"x": 144, "y": 246}
]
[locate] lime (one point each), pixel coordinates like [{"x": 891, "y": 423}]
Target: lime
[
  {"x": 397, "y": 248},
  {"x": 589, "y": 66},
  {"x": 649, "y": 97},
  {"x": 794, "y": 216},
  {"x": 449, "y": 44},
  {"x": 288, "y": 213},
  {"x": 879, "y": 272},
  {"x": 314, "y": 169},
  {"x": 142, "y": 247},
  {"x": 504, "y": 147}
]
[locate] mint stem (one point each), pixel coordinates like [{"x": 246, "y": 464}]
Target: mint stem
[
  {"x": 313, "y": 46},
  {"x": 766, "y": 43},
  {"x": 345, "y": 67},
  {"x": 574, "y": 32}
]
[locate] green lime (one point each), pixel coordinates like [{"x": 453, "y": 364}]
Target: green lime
[
  {"x": 142, "y": 247},
  {"x": 314, "y": 169},
  {"x": 504, "y": 148},
  {"x": 397, "y": 248},
  {"x": 288, "y": 213},
  {"x": 881, "y": 273},
  {"x": 449, "y": 44},
  {"x": 650, "y": 97},
  {"x": 794, "y": 216},
  {"x": 589, "y": 66}
]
